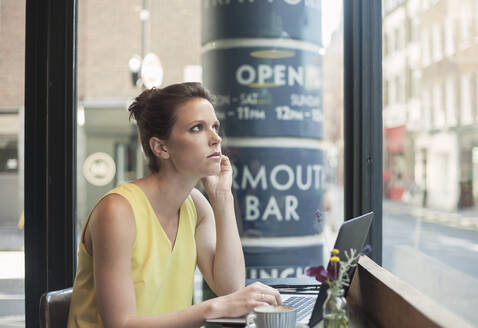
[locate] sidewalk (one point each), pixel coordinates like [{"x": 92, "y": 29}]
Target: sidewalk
[
  {"x": 464, "y": 219},
  {"x": 12, "y": 289},
  {"x": 11, "y": 238},
  {"x": 12, "y": 275}
]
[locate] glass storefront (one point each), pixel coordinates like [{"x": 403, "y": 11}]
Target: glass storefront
[
  {"x": 430, "y": 213},
  {"x": 127, "y": 46}
]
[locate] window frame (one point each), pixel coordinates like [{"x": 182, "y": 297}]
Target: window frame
[
  {"x": 363, "y": 115},
  {"x": 50, "y": 149}
]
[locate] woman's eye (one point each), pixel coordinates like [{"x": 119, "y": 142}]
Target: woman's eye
[{"x": 196, "y": 128}]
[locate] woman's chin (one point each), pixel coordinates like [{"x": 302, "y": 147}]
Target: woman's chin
[{"x": 213, "y": 171}]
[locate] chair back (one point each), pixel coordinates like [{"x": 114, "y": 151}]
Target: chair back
[{"x": 54, "y": 308}]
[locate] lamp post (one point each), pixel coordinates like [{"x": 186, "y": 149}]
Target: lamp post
[
  {"x": 146, "y": 70},
  {"x": 134, "y": 65}
]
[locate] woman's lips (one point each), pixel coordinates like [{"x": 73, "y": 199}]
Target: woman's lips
[{"x": 215, "y": 155}]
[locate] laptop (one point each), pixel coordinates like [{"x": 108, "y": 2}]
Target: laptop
[{"x": 352, "y": 234}]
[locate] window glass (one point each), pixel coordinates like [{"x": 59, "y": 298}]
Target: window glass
[
  {"x": 12, "y": 62},
  {"x": 114, "y": 41},
  {"x": 332, "y": 25},
  {"x": 430, "y": 203},
  {"x": 299, "y": 144}
]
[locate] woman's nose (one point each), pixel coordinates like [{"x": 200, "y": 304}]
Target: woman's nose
[{"x": 216, "y": 138}]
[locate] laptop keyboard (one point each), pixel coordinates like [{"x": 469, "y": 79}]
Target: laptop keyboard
[{"x": 304, "y": 305}]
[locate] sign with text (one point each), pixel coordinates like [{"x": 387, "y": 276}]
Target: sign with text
[
  {"x": 293, "y": 19},
  {"x": 282, "y": 261},
  {"x": 278, "y": 190},
  {"x": 266, "y": 92}
]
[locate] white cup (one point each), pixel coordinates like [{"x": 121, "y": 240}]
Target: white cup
[{"x": 272, "y": 316}]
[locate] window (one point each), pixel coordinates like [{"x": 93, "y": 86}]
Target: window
[
  {"x": 438, "y": 114},
  {"x": 449, "y": 36},
  {"x": 391, "y": 43},
  {"x": 393, "y": 91},
  {"x": 426, "y": 110},
  {"x": 385, "y": 46},
  {"x": 398, "y": 90},
  {"x": 450, "y": 95},
  {"x": 425, "y": 47},
  {"x": 415, "y": 84},
  {"x": 465, "y": 25},
  {"x": 430, "y": 202},
  {"x": 413, "y": 30},
  {"x": 436, "y": 42},
  {"x": 109, "y": 98},
  {"x": 402, "y": 86},
  {"x": 385, "y": 93},
  {"x": 398, "y": 39},
  {"x": 466, "y": 116}
]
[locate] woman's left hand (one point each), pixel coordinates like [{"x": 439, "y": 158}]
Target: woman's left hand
[{"x": 222, "y": 182}]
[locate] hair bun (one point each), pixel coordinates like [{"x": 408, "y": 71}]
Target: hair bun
[
  {"x": 141, "y": 102},
  {"x": 134, "y": 110}
]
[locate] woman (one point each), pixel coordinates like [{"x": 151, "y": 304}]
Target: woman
[{"x": 141, "y": 243}]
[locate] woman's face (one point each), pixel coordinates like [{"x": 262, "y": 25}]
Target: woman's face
[{"x": 194, "y": 145}]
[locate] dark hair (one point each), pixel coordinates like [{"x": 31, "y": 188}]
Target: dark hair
[{"x": 155, "y": 112}]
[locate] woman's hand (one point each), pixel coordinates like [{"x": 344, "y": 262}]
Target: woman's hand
[
  {"x": 219, "y": 183},
  {"x": 245, "y": 300}
]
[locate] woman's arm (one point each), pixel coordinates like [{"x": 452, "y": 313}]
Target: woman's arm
[{"x": 220, "y": 255}]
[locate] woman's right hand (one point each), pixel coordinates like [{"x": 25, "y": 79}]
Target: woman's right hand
[{"x": 244, "y": 301}]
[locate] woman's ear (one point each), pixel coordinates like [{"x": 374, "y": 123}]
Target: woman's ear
[{"x": 159, "y": 148}]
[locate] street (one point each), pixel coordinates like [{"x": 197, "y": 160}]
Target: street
[
  {"x": 452, "y": 246},
  {"x": 438, "y": 257}
]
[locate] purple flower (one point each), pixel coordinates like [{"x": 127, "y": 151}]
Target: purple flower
[
  {"x": 366, "y": 250},
  {"x": 313, "y": 271},
  {"x": 318, "y": 215},
  {"x": 323, "y": 275}
]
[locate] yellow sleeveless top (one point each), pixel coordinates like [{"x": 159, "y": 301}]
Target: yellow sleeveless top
[{"x": 163, "y": 280}]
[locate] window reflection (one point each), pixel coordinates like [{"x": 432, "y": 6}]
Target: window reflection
[{"x": 430, "y": 209}]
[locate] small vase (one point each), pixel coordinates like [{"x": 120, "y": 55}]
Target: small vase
[{"x": 335, "y": 309}]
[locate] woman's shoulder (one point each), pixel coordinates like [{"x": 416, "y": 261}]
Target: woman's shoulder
[
  {"x": 111, "y": 220},
  {"x": 112, "y": 203},
  {"x": 113, "y": 209}
]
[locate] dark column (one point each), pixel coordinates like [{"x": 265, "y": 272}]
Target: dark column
[
  {"x": 363, "y": 115},
  {"x": 263, "y": 61},
  {"x": 50, "y": 149}
]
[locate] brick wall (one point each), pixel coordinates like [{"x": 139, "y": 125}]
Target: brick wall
[{"x": 109, "y": 33}]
